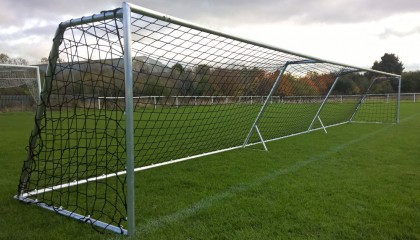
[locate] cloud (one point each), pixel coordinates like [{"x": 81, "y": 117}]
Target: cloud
[
  {"x": 16, "y": 13},
  {"x": 25, "y": 24},
  {"x": 412, "y": 67},
  {"x": 394, "y": 33},
  {"x": 303, "y": 11},
  {"x": 40, "y": 30},
  {"x": 235, "y": 11},
  {"x": 210, "y": 13}
]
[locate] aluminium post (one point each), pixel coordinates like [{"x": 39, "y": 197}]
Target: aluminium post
[
  {"x": 129, "y": 128},
  {"x": 325, "y": 100},
  {"x": 273, "y": 89},
  {"x": 397, "y": 119},
  {"x": 38, "y": 77}
]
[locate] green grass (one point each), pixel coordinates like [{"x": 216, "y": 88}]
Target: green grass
[{"x": 359, "y": 181}]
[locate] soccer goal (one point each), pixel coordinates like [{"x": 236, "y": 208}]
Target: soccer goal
[
  {"x": 171, "y": 91},
  {"x": 17, "y": 81}
]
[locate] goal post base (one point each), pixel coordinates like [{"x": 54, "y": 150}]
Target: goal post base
[{"x": 76, "y": 216}]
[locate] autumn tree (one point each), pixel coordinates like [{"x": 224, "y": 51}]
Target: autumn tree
[
  {"x": 221, "y": 78},
  {"x": 287, "y": 86}
]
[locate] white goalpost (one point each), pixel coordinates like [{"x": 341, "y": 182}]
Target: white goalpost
[{"x": 139, "y": 89}]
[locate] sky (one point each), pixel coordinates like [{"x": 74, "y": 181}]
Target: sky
[{"x": 355, "y": 32}]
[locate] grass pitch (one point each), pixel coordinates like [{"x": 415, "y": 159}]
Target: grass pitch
[{"x": 359, "y": 181}]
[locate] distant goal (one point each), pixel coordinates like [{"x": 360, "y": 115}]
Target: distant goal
[{"x": 20, "y": 86}]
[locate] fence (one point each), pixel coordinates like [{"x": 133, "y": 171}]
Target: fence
[
  {"x": 27, "y": 103},
  {"x": 176, "y": 101},
  {"x": 410, "y": 97},
  {"x": 17, "y": 103}
]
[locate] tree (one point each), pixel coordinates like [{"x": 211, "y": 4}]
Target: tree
[
  {"x": 185, "y": 85},
  {"x": 5, "y": 59},
  {"x": 389, "y": 63},
  {"x": 202, "y": 70},
  {"x": 410, "y": 82},
  {"x": 44, "y": 60},
  {"x": 20, "y": 61},
  {"x": 202, "y": 75},
  {"x": 351, "y": 83},
  {"x": 177, "y": 70}
]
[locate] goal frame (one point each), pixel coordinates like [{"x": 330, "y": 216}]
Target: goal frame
[{"x": 125, "y": 14}]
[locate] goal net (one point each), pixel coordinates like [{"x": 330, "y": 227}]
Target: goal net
[
  {"x": 17, "y": 82},
  {"x": 138, "y": 89}
]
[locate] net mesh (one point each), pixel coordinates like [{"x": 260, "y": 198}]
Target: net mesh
[{"x": 195, "y": 92}]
